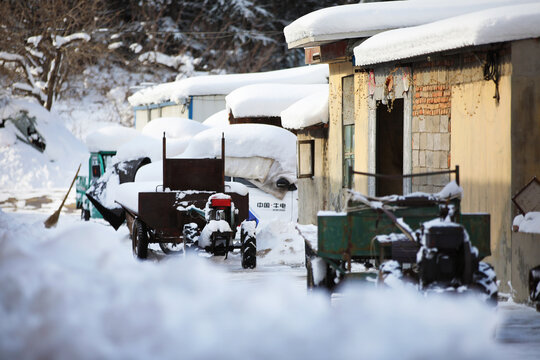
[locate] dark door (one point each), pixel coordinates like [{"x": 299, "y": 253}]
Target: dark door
[{"x": 389, "y": 148}]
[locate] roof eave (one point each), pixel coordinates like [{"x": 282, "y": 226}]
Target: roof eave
[{"x": 316, "y": 40}]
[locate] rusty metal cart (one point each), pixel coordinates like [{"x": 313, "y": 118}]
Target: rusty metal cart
[{"x": 192, "y": 199}]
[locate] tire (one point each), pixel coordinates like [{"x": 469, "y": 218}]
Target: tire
[
  {"x": 139, "y": 239},
  {"x": 172, "y": 248},
  {"x": 485, "y": 282},
  {"x": 248, "y": 250}
]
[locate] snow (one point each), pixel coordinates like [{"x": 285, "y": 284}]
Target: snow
[
  {"x": 279, "y": 243},
  {"x": 127, "y": 194},
  {"x": 81, "y": 278},
  {"x": 211, "y": 227},
  {"x": 528, "y": 223},
  {"x": 59, "y": 41},
  {"x": 450, "y": 191},
  {"x": 477, "y": 28},
  {"x": 149, "y": 143},
  {"x": 173, "y": 127},
  {"x": 235, "y": 187},
  {"x": 109, "y": 138},
  {"x": 364, "y": 20},
  {"x": 23, "y": 167},
  {"x": 179, "y": 91},
  {"x": 268, "y": 99},
  {"x": 221, "y": 118},
  {"x": 247, "y": 141},
  {"x": 308, "y": 111}
]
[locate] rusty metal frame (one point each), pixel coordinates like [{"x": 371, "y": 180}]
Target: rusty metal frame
[
  {"x": 397, "y": 177},
  {"x": 516, "y": 198}
]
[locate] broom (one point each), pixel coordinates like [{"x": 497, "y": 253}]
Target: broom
[{"x": 53, "y": 219}]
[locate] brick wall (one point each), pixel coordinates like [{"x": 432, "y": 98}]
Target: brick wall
[{"x": 431, "y": 129}]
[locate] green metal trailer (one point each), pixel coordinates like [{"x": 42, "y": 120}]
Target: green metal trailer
[{"x": 361, "y": 234}]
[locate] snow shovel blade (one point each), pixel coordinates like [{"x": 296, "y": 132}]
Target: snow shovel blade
[
  {"x": 115, "y": 217},
  {"x": 53, "y": 219},
  {"x": 126, "y": 171}
]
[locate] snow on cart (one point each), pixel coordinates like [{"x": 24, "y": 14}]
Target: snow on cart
[
  {"x": 442, "y": 254},
  {"x": 190, "y": 208}
]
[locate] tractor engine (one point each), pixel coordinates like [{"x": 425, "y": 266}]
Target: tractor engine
[{"x": 445, "y": 258}]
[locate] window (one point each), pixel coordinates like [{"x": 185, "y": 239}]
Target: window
[{"x": 306, "y": 158}]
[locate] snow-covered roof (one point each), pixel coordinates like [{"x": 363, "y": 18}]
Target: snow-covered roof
[
  {"x": 367, "y": 19},
  {"x": 308, "y": 111},
  {"x": 483, "y": 27},
  {"x": 268, "y": 99},
  {"x": 179, "y": 91}
]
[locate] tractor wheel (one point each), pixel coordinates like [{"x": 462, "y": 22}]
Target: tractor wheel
[
  {"x": 139, "y": 239},
  {"x": 249, "y": 252},
  {"x": 485, "y": 282}
]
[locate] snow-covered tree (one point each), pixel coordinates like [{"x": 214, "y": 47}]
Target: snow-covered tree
[{"x": 41, "y": 42}]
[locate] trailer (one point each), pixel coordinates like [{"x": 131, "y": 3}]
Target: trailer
[
  {"x": 192, "y": 209},
  {"x": 421, "y": 238}
]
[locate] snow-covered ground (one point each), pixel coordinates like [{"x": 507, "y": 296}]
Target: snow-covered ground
[{"x": 76, "y": 291}]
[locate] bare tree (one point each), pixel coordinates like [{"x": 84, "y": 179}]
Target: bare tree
[{"x": 42, "y": 42}]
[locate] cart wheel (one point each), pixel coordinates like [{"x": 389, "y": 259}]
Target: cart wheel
[
  {"x": 485, "y": 281},
  {"x": 139, "y": 239},
  {"x": 172, "y": 248}
]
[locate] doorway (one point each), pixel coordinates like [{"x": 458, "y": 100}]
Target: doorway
[{"x": 389, "y": 147}]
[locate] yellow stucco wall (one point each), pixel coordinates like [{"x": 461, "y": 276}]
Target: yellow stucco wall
[
  {"x": 481, "y": 146},
  {"x": 335, "y": 139},
  {"x": 361, "y": 130}
]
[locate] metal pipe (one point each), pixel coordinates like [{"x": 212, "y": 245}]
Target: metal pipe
[{"x": 164, "y": 159}]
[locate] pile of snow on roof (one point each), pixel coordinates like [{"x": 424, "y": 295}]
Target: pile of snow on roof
[
  {"x": 484, "y": 27},
  {"x": 367, "y": 19},
  {"x": 268, "y": 99},
  {"x": 179, "y": 91},
  {"x": 309, "y": 111}
]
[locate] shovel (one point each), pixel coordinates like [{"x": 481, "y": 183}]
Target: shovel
[{"x": 53, "y": 219}]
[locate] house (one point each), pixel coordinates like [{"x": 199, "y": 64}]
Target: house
[
  {"x": 199, "y": 97},
  {"x": 263, "y": 103},
  {"x": 415, "y": 92}
]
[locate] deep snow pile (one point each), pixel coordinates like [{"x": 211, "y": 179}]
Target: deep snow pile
[
  {"x": 278, "y": 243},
  {"x": 179, "y": 91},
  {"x": 77, "y": 292},
  {"x": 149, "y": 143},
  {"x": 268, "y": 99},
  {"x": 528, "y": 223},
  {"x": 478, "y": 28},
  {"x": 109, "y": 138},
  {"x": 310, "y": 110},
  {"x": 23, "y": 167},
  {"x": 341, "y": 22}
]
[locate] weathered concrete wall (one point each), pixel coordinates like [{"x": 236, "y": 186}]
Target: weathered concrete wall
[
  {"x": 334, "y": 164},
  {"x": 481, "y": 146},
  {"x": 313, "y": 192},
  {"x": 525, "y": 256}
]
